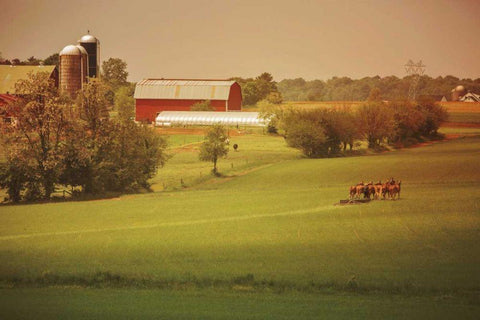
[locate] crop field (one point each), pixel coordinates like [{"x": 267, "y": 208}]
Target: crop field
[
  {"x": 464, "y": 107},
  {"x": 265, "y": 240}
]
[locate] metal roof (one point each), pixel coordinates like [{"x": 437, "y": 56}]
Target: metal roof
[
  {"x": 9, "y": 75},
  {"x": 87, "y": 38},
  {"x": 70, "y": 50},
  {"x": 183, "y": 89},
  {"x": 471, "y": 97},
  {"x": 167, "y": 118},
  {"x": 6, "y": 98}
]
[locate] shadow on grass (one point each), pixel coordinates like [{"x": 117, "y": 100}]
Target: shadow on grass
[{"x": 246, "y": 282}]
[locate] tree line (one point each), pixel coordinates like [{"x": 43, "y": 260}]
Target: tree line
[
  {"x": 263, "y": 87},
  {"x": 330, "y": 132},
  {"x": 259, "y": 88},
  {"x": 51, "y": 60},
  {"x": 390, "y": 88}
]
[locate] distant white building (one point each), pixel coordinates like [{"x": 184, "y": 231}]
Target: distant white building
[{"x": 470, "y": 97}]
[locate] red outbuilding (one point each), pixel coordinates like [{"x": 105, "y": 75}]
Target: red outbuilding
[
  {"x": 10, "y": 75},
  {"x": 153, "y": 96}
]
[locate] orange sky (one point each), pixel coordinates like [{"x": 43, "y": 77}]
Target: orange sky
[{"x": 220, "y": 39}]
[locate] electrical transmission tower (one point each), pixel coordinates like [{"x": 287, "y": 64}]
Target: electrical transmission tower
[{"x": 415, "y": 70}]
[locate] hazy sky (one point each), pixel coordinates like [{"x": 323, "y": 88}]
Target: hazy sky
[{"x": 219, "y": 39}]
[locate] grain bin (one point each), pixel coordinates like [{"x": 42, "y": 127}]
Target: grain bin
[
  {"x": 92, "y": 46},
  {"x": 84, "y": 63},
  {"x": 458, "y": 92},
  {"x": 71, "y": 70}
]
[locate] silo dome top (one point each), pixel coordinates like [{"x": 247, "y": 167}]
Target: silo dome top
[
  {"x": 82, "y": 49},
  {"x": 88, "y": 38},
  {"x": 70, "y": 50},
  {"x": 460, "y": 88}
]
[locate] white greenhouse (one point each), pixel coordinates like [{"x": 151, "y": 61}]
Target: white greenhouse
[{"x": 175, "y": 118}]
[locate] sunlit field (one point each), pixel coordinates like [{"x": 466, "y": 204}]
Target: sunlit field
[
  {"x": 265, "y": 240},
  {"x": 271, "y": 230},
  {"x": 464, "y": 107}
]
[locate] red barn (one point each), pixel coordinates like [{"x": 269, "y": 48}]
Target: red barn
[
  {"x": 10, "y": 74},
  {"x": 153, "y": 96}
]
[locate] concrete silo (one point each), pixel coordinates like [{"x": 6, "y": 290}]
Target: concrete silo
[
  {"x": 84, "y": 64},
  {"x": 92, "y": 45},
  {"x": 458, "y": 92},
  {"x": 72, "y": 72}
]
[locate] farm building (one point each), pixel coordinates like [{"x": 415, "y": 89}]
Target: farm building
[
  {"x": 10, "y": 74},
  {"x": 153, "y": 96},
  {"x": 470, "y": 97},
  {"x": 168, "y": 118}
]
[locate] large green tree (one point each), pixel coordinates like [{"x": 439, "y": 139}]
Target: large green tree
[
  {"x": 214, "y": 146},
  {"x": 52, "y": 60},
  {"x": 124, "y": 101},
  {"x": 304, "y": 131},
  {"x": 434, "y": 114},
  {"x": 92, "y": 105},
  {"x": 36, "y": 139},
  {"x": 260, "y": 88},
  {"x": 376, "y": 123},
  {"x": 54, "y": 142},
  {"x": 114, "y": 73}
]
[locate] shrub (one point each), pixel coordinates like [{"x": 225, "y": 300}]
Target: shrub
[{"x": 202, "y": 106}]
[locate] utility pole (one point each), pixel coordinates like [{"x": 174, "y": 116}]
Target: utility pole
[{"x": 415, "y": 70}]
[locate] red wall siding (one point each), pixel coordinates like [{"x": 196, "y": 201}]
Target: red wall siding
[
  {"x": 235, "y": 98},
  {"x": 147, "y": 109}
]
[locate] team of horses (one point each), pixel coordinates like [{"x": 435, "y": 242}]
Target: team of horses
[{"x": 388, "y": 190}]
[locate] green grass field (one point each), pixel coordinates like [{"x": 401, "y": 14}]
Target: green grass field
[
  {"x": 259, "y": 240},
  {"x": 77, "y": 303},
  {"x": 178, "y": 140},
  {"x": 254, "y": 150},
  {"x": 464, "y": 117}
]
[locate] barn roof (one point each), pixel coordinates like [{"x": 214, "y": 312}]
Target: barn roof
[
  {"x": 6, "y": 98},
  {"x": 178, "y": 89},
  {"x": 9, "y": 75},
  {"x": 471, "y": 97}
]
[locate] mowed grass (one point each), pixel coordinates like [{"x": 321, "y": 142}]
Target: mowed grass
[
  {"x": 464, "y": 117},
  {"x": 178, "y": 140},
  {"x": 78, "y": 303},
  {"x": 258, "y": 244},
  {"x": 185, "y": 170},
  {"x": 278, "y": 224}
]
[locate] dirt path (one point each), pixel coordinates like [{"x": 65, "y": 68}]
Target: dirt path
[{"x": 171, "y": 224}]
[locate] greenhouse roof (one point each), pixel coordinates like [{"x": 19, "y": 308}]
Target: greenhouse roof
[{"x": 166, "y": 118}]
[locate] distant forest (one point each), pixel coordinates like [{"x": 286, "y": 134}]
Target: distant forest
[
  {"x": 391, "y": 88},
  {"x": 334, "y": 89}
]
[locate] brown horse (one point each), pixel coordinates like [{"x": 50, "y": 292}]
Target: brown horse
[
  {"x": 378, "y": 190},
  {"x": 356, "y": 191},
  {"x": 369, "y": 190},
  {"x": 353, "y": 192},
  {"x": 394, "y": 190}
]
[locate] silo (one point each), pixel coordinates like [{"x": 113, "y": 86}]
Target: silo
[
  {"x": 71, "y": 70},
  {"x": 84, "y": 63},
  {"x": 458, "y": 92},
  {"x": 92, "y": 45}
]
